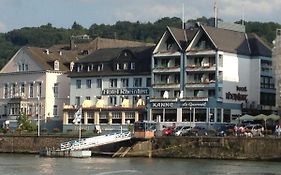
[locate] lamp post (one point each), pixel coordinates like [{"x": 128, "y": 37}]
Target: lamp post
[{"x": 38, "y": 117}]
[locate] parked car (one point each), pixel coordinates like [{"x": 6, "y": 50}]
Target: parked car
[
  {"x": 181, "y": 130},
  {"x": 254, "y": 130},
  {"x": 225, "y": 130},
  {"x": 197, "y": 131},
  {"x": 168, "y": 131}
]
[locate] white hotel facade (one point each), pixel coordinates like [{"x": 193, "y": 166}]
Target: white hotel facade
[{"x": 210, "y": 74}]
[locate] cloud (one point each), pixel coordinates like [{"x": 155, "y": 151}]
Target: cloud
[{"x": 253, "y": 9}]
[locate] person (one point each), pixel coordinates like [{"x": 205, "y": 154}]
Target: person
[{"x": 278, "y": 130}]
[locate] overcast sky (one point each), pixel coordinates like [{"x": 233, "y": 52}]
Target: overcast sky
[{"x": 15, "y": 14}]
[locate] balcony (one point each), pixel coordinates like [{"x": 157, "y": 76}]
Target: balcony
[
  {"x": 165, "y": 69},
  {"x": 166, "y": 85},
  {"x": 206, "y": 67},
  {"x": 199, "y": 84}
]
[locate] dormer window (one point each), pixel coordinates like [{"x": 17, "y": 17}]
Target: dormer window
[
  {"x": 125, "y": 66},
  {"x": 100, "y": 67},
  {"x": 71, "y": 66},
  {"x": 117, "y": 66},
  {"x": 56, "y": 65},
  {"x": 90, "y": 67},
  {"x": 133, "y": 66},
  {"x": 79, "y": 68}
]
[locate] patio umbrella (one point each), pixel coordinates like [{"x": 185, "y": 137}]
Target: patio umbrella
[
  {"x": 273, "y": 117},
  {"x": 260, "y": 117},
  {"x": 245, "y": 117}
]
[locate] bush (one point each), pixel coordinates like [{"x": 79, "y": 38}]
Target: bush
[
  {"x": 44, "y": 130},
  {"x": 56, "y": 130}
]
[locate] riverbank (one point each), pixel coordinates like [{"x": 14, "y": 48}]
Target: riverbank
[{"x": 239, "y": 148}]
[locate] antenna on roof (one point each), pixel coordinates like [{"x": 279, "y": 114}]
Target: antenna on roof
[
  {"x": 183, "y": 23},
  {"x": 243, "y": 15},
  {"x": 215, "y": 13}
]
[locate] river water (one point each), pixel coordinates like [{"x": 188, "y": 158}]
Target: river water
[{"x": 24, "y": 164}]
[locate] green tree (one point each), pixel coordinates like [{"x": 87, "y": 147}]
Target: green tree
[{"x": 24, "y": 123}]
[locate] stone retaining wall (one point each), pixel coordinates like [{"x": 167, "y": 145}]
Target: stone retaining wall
[{"x": 217, "y": 148}]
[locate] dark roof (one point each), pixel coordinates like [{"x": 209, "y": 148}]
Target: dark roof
[
  {"x": 237, "y": 42},
  {"x": 182, "y": 36},
  {"x": 141, "y": 56},
  {"x": 258, "y": 47}
]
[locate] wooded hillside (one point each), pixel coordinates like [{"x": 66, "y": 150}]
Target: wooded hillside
[{"x": 47, "y": 35}]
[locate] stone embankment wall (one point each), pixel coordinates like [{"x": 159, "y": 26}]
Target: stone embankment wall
[
  {"x": 32, "y": 144},
  {"x": 210, "y": 147},
  {"x": 170, "y": 147}
]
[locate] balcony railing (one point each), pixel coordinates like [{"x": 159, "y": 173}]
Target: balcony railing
[
  {"x": 199, "y": 68},
  {"x": 166, "y": 69},
  {"x": 165, "y": 85},
  {"x": 204, "y": 84}
]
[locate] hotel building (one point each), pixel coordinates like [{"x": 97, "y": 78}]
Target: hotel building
[
  {"x": 210, "y": 74},
  {"x": 111, "y": 85}
]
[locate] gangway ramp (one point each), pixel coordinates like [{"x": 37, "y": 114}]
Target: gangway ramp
[{"x": 92, "y": 142}]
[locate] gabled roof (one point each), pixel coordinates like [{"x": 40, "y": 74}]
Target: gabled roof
[
  {"x": 258, "y": 47},
  {"x": 237, "y": 42},
  {"x": 228, "y": 40},
  {"x": 45, "y": 61},
  {"x": 182, "y": 36}
]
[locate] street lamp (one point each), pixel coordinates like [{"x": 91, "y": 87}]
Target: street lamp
[{"x": 38, "y": 117}]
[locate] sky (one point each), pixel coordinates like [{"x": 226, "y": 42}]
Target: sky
[{"x": 15, "y": 14}]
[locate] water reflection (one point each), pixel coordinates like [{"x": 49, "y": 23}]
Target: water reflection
[{"x": 34, "y": 165}]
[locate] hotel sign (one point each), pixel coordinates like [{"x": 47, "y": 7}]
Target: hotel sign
[
  {"x": 237, "y": 96},
  {"x": 128, "y": 91},
  {"x": 163, "y": 105},
  {"x": 193, "y": 104}
]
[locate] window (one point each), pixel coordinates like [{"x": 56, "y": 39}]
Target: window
[
  {"x": 6, "y": 92},
  {"x": 79, "y": 68},
  {"x": 112, "y": 101},
  {"x": 137, "y": 82},
  {"x": 135, "y": 100},
  {"x": 55, "y": 111},
  {"x": 13, "y": 89},
  {"x": 56, "y": 90},
  {"x": 99, "y": 83},
  {"x": 31, "y": 90},
  {"x": 133, "y": 66},
  {"x": 78, "y": 84},
  {"x": 176, "y": 94},
  {"x": 88, "y": 83},
  {"x": 125, "y": 82},
  {"x": 22, "y": 88},
  {"x": 19, "y": 67},
  {"x": 56, "y": 65},
  {"x": 39, "y": 90},
  {"x": 113, "y": 82},
  {"x": 125, "y": 66},
  {"x": 88, "y": 98},
  {"x": 117, "y": 66},
  {"x": 148, "y": 82},
  {"x": 77, "y": 101},
  {"x": 100, "y": 67}
]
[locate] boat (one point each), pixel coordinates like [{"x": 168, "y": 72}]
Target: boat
[{"x": 65, "y": 153}]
